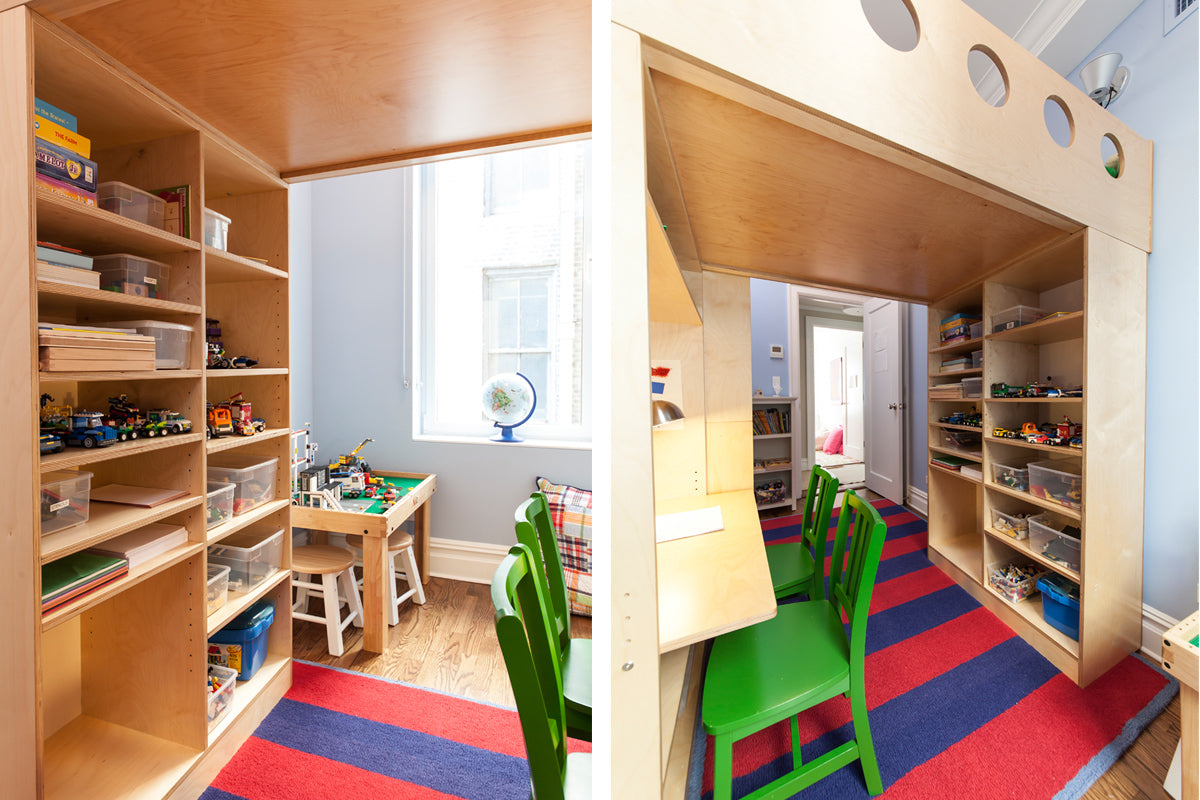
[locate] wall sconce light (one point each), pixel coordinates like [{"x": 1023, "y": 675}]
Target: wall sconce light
[
  {"x": 1103, "y": 78},
  {"x": 663, "y": 411}
]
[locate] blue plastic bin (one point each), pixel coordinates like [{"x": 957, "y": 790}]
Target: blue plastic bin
[
  {"x": 242, "y": 644},
  {"x": 1060, "y": 603}
]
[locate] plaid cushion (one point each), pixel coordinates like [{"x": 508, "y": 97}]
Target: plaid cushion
[{"x": 571, "y": 514}]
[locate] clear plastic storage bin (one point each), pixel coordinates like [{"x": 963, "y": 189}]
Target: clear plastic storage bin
[
  {"x": 221, "y": 682},
  {"x": 252, "y": 555},
  {"x": 121, "y": 272},
  {"x": 1057, "y": 481},
  {"x": 1056, "y": 538},
  {"x": 1015, "y": 578},
  {"x": 972, "y": 387},
  {"x": 218, "y": 503},
  {"x": 216, "y": 229},
  {"x": 1015, "y": 526},
  {"x": 132, "y": 203},
  {"x": 977, "y": 360},
  {"x": 1015, "y": 317},
  {"x": 253, "y": 478},
  {"x": 1010, "y": 476},
  {"x": 218, "y": 586},
  {"x": 170, "y": 340},
  {"x": 64, "y": 499}
]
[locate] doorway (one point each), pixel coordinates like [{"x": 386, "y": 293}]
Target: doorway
[{"x": 835, "y": 397}]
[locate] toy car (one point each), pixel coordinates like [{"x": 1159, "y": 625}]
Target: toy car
[
  {"x": 1076, "y": 442},
  {"x": 49, "y": 443},
  {"x": 87, "y": 430},
  {"x": 1005, "y": 433},
  {"x": 1003, "y": 390},
  {"x": 170, "y": 421}
]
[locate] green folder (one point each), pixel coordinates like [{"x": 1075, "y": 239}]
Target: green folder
[{"x": 75, "y": 570}]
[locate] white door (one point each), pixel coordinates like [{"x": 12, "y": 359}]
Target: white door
[
  {"x": 883, "y": 329},
  {"x": 855, "y": 424}
]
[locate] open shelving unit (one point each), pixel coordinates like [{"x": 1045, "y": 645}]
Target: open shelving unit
[
  {"x": 1077, "y": 277},
  {"x": 779, "y": 447},
  {"x": 116, "y": 679}
]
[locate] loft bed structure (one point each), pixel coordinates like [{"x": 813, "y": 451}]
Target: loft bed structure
[{"x": 788, "y": 141}]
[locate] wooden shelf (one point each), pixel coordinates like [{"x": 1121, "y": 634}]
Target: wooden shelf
[
  {"x": 953, "y": 473},
  {"x": 136, "y": 575},
  {"x": 1054, "y": 450},
  {"x": 763, "y": 436},
  {"x": 1044, "y": 400},
  {"x": 94, "y": 230},
  {"x": 956, "y": 373},
  {"x": 219, "y": 532},
  {"x": 249, "y": 372},
  {"x": 105, "y": 521},
  {"x": 767, "y": 401},
  {"x": 246, "y": 692},
  {"x": 144, "y": 375},
  {"x": 224, "y": 267},
  {"x": 954, "y": 451},
  {"x": 98, "y": 760},
  {"x": 1049, "y": 505},
  {"x": 963, "y": 551},
  {"x": 62, "y": 298},
  {"x": 970, "y": 345},
  {"x": 1022, "y": 546},
  {"x": 237, "y": 602},
  {"x": 949, "y": 427},
  {"x": 1030, "y": 609},
  {"x": 74, "y": 457},
  {"x": 768, "y": 470},
  {"x": 224, "y": 443},
  {"x": 1062, "y": 328},
  {"x": 787, "y": 501}
]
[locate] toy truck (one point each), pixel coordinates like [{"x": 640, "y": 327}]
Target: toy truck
[
  {"x": 169, "y": 421},
  {"x": 244, "y": 421},
  {"x": 220, "y": 421}
]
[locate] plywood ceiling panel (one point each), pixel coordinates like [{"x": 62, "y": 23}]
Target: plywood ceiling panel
[
  {"x": 771, "y": 198},
  {"x": 308, "y": 84}
]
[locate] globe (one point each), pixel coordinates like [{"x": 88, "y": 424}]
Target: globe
[{"x": 508, "y": 400}]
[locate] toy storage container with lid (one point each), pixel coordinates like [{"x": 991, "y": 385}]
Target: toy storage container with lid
[
  {"x": 64, "y": 499},
  {"x": 1015, "y": 317},
  {"x": 253, "y": 478},
  {"x": 1060, "y": 603},
  {"x": 170, "y": 340},
  {"x": 252, "y": 555},
  {"x": 127, "y": 274},
  {"x": 972, "y": 387},
  {"x": 218, "y": 503},
  {"x": 216, "y": 229},
  {"x": 1058, "y": 481},
  {"x": 132, "y": 203},
  {"x": 221, "y": 681},
  {"x": 1057, "y": 538},
  {"x": 218, "y": 586},
  {"x": 1015, "y": 526},
  {"x": 242, "y": 644}
]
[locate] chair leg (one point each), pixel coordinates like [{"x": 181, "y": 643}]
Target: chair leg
[
  {"x": 332, "y": 613},
  {"x": 722, "y": 767},
  {"x": 797, "y": 759},
  {"x": 412, "y": 576},
  {"x": 393, "y": 603},
  {"x": 866, "y": 745},
  {"x": 353, "y": 601}
]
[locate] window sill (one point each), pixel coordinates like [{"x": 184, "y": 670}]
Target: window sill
[{"x": 535, "y": 444}]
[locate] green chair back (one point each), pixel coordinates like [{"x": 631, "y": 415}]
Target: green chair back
[
  {"x": 858, "y": 545},
  {"x": 535, "y": 530},
  {"x": 818, "y": 508},
  {"x": 524, "y": 627}
]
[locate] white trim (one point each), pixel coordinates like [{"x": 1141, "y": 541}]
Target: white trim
[
  {"x": 473, "y": 562},
  {"x": 918, "y": 501},
  {"x": 1154, "y": 624}
]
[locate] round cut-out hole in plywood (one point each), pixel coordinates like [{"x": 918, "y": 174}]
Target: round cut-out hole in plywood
[
  {"x": 988, "y": 75},
  {"x": 1112, "y": 156},
  {"x": 894, "y": 21},
  {"x": 1059, "y": 122}
]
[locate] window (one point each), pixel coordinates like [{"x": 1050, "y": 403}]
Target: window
[{"x": 501, "y": 287}]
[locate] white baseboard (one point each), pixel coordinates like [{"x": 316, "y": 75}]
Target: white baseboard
[
  {"x": 918, "y": 501},
  {"x": 1154, "y": 624},
  {"x": 473, "y": 562}
]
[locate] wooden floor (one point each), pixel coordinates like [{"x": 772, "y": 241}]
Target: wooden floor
[{"x": 449, "y": 645}]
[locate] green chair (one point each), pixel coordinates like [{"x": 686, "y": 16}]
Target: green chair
[
  {"x": 799, "y": 567},
  {"x": 759, "y": 675},
  {"x": 535, "y": 530},
  {"x": 525, "y": 628}
]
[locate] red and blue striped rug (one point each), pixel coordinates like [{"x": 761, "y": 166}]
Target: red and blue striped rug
[
  {"x": 960, "y": 706},
  {"x": 345, "y": 735}
]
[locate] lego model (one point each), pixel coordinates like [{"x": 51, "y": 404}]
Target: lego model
[
  {"x": 169, "y": 421},
  {"x": 242, "y": 416},
  {"x": 87, "y": 430},
  {"x": 220, "y": 421},
  {"x": 50, "y": 443}
]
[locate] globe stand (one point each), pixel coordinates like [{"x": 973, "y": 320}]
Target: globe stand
[{"x": 506, "y": 429}]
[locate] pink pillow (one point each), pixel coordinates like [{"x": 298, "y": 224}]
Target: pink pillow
[{"x": 833, "y": 443}]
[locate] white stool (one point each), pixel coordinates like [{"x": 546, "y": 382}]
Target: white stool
[
  {"x": 332, "y": 564},
  {"x": 400, "y": 545}
]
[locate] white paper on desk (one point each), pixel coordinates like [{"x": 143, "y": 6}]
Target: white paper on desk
[{"x": 687, "y": 523}]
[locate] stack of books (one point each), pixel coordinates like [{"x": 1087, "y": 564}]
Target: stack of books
[
  {"x": 946, "y": 391},
  {"x": 956, "y": 364},
  {"x": 957, "y": 328},
  {"x": 78, "y": 575},
  {"x": 79, "y": 348},
  {"x": 65, "y": 265},
  {"x": 61, "y": 154},
  {"x": 948, "y": 462}
]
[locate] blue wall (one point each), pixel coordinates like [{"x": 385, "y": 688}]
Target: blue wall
[
  {"x": 359, "y": 330},
  {"x": 768, "y": 326},
  {"x": 1160, "y": 103}
]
